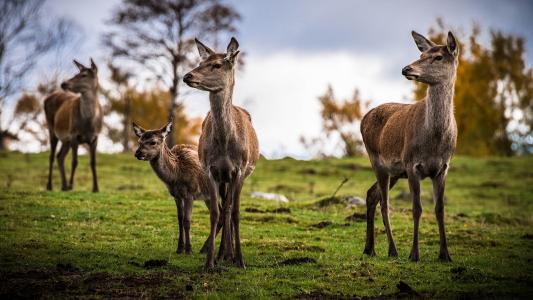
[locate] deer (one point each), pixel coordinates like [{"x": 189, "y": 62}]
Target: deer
[
  {"x": 74, "y": 119},
  {"x": 180, "y": 170},
  {"x": 414, "y": 141},
  {"x": 228, "y": 148}
]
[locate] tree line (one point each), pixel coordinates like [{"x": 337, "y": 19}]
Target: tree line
[
  {"x": 493, "y": 96},
  {"x": 493, "y": 99}
]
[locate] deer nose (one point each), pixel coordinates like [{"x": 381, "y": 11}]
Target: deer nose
[
  {"x": 406, "y": 70},
  {"x": 187, "y": 77},
  {"x": 138, "y": 154},
  {"x": 64, "y": 85}
]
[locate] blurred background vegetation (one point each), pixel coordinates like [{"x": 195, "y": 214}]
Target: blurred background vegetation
[{"x": 493, "y": 97}]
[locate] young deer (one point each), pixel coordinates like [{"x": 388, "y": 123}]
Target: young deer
[
  {"x": 414, "y": 141},
  {"x": 74, "y": 120},
  {"x": 180, "y": 170},
  {"x": 228, "y": 147}
]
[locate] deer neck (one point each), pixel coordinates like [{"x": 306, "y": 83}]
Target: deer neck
[
  {"x": 439, "y": 106},
  {"x": 166, "y": 164},
  {"x": 221, "y": 109},
  {"x": 89, "y": 103}
]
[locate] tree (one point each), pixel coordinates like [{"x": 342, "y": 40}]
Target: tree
[
  {"x": 146, "y": 109},
  {"x": 340, "y": 119},
  {"x": 25, "y": 38},
  {"x": 493, "y": 87},
  {"x": 158, "y": 36},
  {"x": 120, "y": 78}
]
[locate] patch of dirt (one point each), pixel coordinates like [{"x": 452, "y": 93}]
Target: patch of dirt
[
  {"x": 269, "y": 219},
  {"x": 328, "y": 201},
  {"x": 527, "y": 236},
  {"x": 321, "y": 224},
  {"x": 405, "y": 292},
  {"x": 130, "y": 187},
  {"x": 149, "y": 264},
  {"x": 298, "y": 261},
  {"x": 356, "y": 217},
  {"x": 67, "y": 281},
  {"x": 493, "y": 184},
  {"x": 68, "y": 267},
  {"x": 279, "y": 210}
]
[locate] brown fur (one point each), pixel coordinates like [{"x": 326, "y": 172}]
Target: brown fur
[
  {"x": 180, "y": 170},
  {"x": 74, "y": 120},
  {"x": 414, "y": 141},
  {"x": 228, "y": 147}
]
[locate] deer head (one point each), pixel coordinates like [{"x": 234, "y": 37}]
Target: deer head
[
  {"x": 85, "y": 80},
  {"x": 150, "y": 141},
  {"x": 216, "y": 70},
  {"x": 437, "y": 63}
]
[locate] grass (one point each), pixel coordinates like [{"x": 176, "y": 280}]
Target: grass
[{"x": 80, "y": 244}]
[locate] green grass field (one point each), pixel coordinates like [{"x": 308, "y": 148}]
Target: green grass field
[{"x": 79, "y": 244}]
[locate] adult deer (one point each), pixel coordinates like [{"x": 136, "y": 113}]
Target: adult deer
[
  {"x": 74, "y": 120},
  {"x": 228, "y": 147},
  {"x": 414, "y": 141}
]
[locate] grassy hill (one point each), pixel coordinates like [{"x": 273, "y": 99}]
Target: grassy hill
[{"x": 71, "y": 244}]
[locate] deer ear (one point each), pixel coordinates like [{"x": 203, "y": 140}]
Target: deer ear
[
  {"x": 422, "y": 43},
  {"x": 138, "y": 129},
  {"x": 232, "y": 46},
  {"x": 451, "y": 44},
  {"x": 78, "y": 65},
  {"x": 94, "y": 68},
  {"x": 167, "y": 129},
  {"x": 204, "y": 51},
  {"x": 232, "y": 58}
]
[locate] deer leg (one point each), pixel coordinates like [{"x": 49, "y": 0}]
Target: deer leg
[
  {"x": 373, "y": 196},
  {"x": 53, "y": 146},
  {"x": 239, "y": 261},
  {"x": 205, "y": 247},
  {"x": 214, "y": 215},
  {"x": 63, "y": 151},
  {"x": 383, "y": 183},
  {"x": 187, "y": 224},
  {"x": 92, "y": 152},
  {"x": 414, "y": 187},
  {"x": 179, "y": 207},
  {"x": 74, "y": 146},
  {"x": 438, "y": 192},
  {"x": 226, "y": 250}
]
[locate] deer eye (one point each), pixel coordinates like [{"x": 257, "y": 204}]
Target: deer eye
[
  {"x": 217, "y": 66},
  {"x": 152, "y": 143},
  {"x": 439, "y": 57}
]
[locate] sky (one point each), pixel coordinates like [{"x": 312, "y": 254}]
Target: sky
[{"x": 295, "y": 48}]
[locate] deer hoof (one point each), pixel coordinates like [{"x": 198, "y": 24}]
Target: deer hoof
[
  {"x": 445, "y": 257},
  {"x": 369, "y": 252},
  {"x": 204, "y": 249},
  {"x": 414, "y": 257},
  {"x": 393, "y": 252},
  {"x": 239, "y": 263}
]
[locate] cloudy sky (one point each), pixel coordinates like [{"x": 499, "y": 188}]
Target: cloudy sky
[{"x": 295, "y": 48}]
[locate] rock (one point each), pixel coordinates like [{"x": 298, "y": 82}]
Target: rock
[
  {"x": 270, "y": 196},
  {"x": 353, "y": 201}
]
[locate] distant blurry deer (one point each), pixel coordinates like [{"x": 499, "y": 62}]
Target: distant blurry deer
[
  {"x": 414, "y": 141},
  {"x": 74, "y": 120}
]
